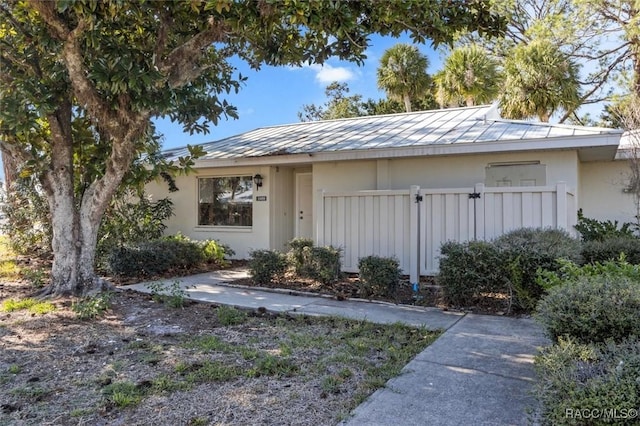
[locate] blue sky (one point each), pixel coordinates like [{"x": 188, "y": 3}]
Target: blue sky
[{"x": 274, "y": 95}]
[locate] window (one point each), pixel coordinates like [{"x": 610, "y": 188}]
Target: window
[
  {"x": 225, "y": 201},
  {"x": 516, "y": 174}
]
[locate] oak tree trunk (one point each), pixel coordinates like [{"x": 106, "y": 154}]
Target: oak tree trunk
[{"x": 75, "y": 220}]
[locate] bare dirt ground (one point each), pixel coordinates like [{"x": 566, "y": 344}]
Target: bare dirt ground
[{"x": 144, "y": 362}]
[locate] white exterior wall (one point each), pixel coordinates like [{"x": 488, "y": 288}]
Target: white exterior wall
[
  {"x": 435, "y": 172},
  {"x": 462, "y": 171},
  {"x": 601, "y": 189},
  {"x": 273, "y": 220},
  {"x": 185, "y": 208}
]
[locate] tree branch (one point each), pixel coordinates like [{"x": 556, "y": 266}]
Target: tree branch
[
  {"x": 47, "y": 11},
  {"x": 83, "y": 88},
  {"x": 180, "y": 66},
  {"x": 22, "y": 155}
]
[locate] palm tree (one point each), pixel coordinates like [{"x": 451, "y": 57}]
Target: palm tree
[
  {"x": 469, "y": 76},
  {"x": 402, "y": 73},
  {"x": 539, "y": 80}
]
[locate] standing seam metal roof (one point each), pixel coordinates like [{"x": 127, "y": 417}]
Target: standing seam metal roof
[{"x": 436, "y": 127}]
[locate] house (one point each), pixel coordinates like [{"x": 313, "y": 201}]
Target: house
[{"x": 398, "y": 185}]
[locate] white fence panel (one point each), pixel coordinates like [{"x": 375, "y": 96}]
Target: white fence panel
[
  {"x": 389, "y": 223},
  {"x": 445, "y": 215},
  {"x": 506, "y": 209},
  {"x": 452, "y": 215},
  {"x": 366, "y": 223}
]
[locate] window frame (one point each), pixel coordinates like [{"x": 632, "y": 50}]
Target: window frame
[{"x": 247, "y": 178}]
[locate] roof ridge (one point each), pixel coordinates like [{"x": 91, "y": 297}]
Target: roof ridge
[
  {"x": 366, "y": 117},
  {"x": 556, "y": 125}
]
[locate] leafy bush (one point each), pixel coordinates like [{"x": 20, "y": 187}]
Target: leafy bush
[
  {"x": 28, "y": 223},
  {"x": 92, "y": 307},
  {"x": 37, "y": 277},
  {"x": 527, "y": 250},
  {"x": 322, "y": 263},
  {"x": 172, "y": 295},
  {"x": 570, "y": 272},
  {"x": 155, "y": 257},
  {"x": 598, "y": 230},
  {"x": 266, "y": 266},
  {"x": 216, "y": 252},
  {"x": 592, "y": 309},
  {"x": 588, "y": 378},
  {"x": 296, "y": 254},
  {"x": 127, "y": 222},
  {"x": 611, "y": 249},
  {"x": 469, "y": 269},
  {"x": 378, "y": 275}
]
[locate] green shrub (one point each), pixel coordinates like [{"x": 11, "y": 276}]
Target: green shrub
[
  {"x": 28, "y": 223},
  {"x": 266, "y": 266},
  {"x": 92, "y": 307},
  {"x": 592, "y": 309},
  {"x": 188, "y": 252},
  {"x": 588, "y": 378},
  {"x": 527, "y": 250},
  {"x": 611, "y": 249},
  {"x": 296, "y": 254},
  {"x": 172, "y": 295},
  {"x": 319, "y": 263},
  {"x": 469, "y": 269},
  {"x": 215, "y": 252},
  {"x": 378, "y": 275},
  {"x": 599, "y": 230},
  {"x": 155, "y": 257},
  {"x": 570, "y": 272},
  {"x": 322, "y": 263},
  {"x": 36, "y": 277},
  {"x": 128, "y": 222}
]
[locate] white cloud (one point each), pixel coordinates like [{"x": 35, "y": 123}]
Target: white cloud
[{"x": 326, "y": 74}]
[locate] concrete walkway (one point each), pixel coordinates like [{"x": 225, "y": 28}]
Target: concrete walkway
[{"x": 480, "y": 371}]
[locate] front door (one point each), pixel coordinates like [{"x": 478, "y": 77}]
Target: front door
[{"x": 304, "y": 205}]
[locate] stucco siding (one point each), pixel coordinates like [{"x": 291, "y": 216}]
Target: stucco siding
[
  {"x": 601, "y": 189},
  {"x": 436, "y": 172},
  {"x": 185, "y": 207},
  {"x": 345, "y": 175}
]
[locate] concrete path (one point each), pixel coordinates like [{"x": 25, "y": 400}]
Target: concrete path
[{"x": 480, "y": 371}]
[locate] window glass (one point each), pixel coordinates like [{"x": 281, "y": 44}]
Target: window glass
[
  {"x": 225, "y": 201},
  {"x": 524, "y": 174}
]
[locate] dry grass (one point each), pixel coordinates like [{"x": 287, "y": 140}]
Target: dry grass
[{"x": 143, "y": 362}]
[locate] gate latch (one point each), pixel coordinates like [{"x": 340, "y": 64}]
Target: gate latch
[
  {"x": 474, "y": 195},
  {"x": 418, "y": 198}
]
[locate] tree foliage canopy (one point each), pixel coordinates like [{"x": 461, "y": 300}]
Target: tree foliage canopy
[
  {"x": 539, "y": 79},
  {"x": 469, "y": 76},
  {"x": 602, "y": 35},
  {"x": 402, "y": 73}
]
